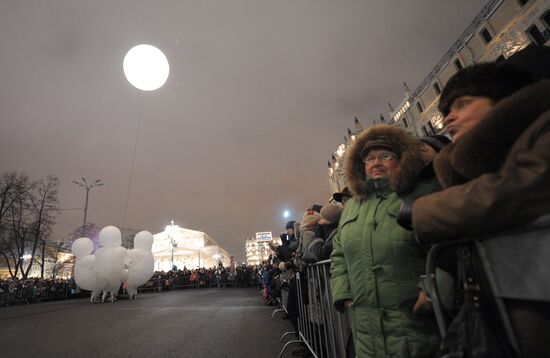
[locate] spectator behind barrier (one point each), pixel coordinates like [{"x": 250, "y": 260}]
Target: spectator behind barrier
[
  {"x": 496, "y": 173},
  {"x": 376, "y": 265},
  {"x": 321, "y": 246}
]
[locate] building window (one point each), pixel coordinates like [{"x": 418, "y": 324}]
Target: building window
[
  {"x": 500, "y": 58},
  {"x": 536, "y": 35},
  {"x": 419, "y": 107},
  {"x": 458, "y": 64},
  {"x": 523, "y": 2},
  {"x": 437, "y": 89},
  {"x": 546, "y": 19},
  {"x": 405, "y": 122},
  {"x": 486, "y": 35}
]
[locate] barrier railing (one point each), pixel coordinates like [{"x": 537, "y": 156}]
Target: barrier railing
[
  {"x": 19, "y": 294},
  {"x": 513, "y": 266},
  {"x": 321, "y": 328},
  {"x": 22, "y": 294}
]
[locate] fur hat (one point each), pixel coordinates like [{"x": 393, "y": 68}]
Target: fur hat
[
  {"x": 534, "y": 58},
  {"x": 437, "y": 142},
  {"x": 331, "y": 213},
  {"x": 493, "y": 80},
  {"x": 410, "y": 163}
]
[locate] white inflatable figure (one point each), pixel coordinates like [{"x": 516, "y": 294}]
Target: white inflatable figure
[
  {"x": 84, "y": 274},
  {"x": 109, "y": 262},
  {"x": 140, "y": 262}
]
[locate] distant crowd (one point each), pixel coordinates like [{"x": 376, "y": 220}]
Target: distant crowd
[{"x": 36, "y": 290}]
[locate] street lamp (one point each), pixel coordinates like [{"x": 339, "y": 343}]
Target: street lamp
[
  {"x": 84, "y": 184},
  {"x": 171, "y": 229}
]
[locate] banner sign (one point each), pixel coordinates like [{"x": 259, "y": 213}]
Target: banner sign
[{"x": 264, "y": 236}]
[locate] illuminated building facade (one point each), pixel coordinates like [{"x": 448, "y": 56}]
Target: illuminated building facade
[
  {"x": 502, "y": 28},
  {"x": 181, "y": 247}
]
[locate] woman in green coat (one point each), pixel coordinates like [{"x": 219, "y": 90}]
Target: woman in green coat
[{"x": 376, "y": 264}]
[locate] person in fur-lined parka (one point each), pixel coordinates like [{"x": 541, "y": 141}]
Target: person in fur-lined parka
[
  {"x": 376, "y": 264},
  {"x": 496, "y": 173}
]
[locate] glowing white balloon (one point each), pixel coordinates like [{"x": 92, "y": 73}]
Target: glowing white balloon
[
  {"x": 110, "y": 236},
  {"x": 146, "y": 67},
  {"x": 143, "y": 240},
  {"x": 82, "y": 247}
]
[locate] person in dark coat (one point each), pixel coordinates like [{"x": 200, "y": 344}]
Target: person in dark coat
[
  {"x": 496, "y": 173},
  {"x": 320, "y": 247}
]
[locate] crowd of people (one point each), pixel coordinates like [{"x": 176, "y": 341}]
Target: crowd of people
[
  {"x": 405, "y": 194},
  {"x": 36, "y": 290},
  {"x": 214, "y": 277}
]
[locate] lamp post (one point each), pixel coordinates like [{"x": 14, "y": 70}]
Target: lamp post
[
  {"x": 173, "y": 243},
  {"x": 84, "y": 184}
]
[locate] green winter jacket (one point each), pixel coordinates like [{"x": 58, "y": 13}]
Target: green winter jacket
[{"x": 377, "y": 264}]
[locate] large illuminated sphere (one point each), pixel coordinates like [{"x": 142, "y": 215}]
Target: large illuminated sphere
[
  {"x": 146, "y": 67},
  {"x": 286, "y": 214}
]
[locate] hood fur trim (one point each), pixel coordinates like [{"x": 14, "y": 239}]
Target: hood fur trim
[{"x": 404, "y": 178}]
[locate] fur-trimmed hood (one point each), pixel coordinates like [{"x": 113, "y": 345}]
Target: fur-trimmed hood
[
  {"x": 410, "y": 164},
  {"x": 485, "y": 148}
]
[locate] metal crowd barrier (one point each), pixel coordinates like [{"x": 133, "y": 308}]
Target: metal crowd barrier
[
  {"x": 20, "y": 294},
  {"x": 158, "y": 284},
  {"x": 514, "y": 264},
  {"x": 321, "y": 328}
]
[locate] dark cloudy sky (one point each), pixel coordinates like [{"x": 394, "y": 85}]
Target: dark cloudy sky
[{"x": 260, "y": 93}]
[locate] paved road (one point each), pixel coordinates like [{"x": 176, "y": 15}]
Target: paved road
[{"x": 226, "y": 322}]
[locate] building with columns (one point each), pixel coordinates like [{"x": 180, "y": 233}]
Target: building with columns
[{"x": 181, "y": 247}]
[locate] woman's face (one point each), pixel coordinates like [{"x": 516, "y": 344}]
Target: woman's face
[
  {"x": 465, "y": 113},
  {"x": 380, "y": 163}
]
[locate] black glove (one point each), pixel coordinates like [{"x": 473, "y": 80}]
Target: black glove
[{"x": 404, "y": 215}]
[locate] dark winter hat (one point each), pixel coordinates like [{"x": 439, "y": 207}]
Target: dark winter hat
[
  {"x": 437, "y": 142},
  {"x": 493, "y": 80},
  {"x": 315, "y": 207},
  {"x": 331, "y": 213},
  {"x": 381, "y": 142},
  {"x": 535, "y": 58},
  {"x": 290, "y": 225},
  {"x": 340, "y": 195}
]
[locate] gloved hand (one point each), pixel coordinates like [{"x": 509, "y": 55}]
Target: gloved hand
[{"x": 404, "y": 215}]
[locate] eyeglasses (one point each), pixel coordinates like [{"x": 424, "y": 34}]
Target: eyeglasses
[{"x": 381, "y": 158}]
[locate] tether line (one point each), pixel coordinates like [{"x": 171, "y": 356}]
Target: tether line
[{"x": 133, "y": 162}]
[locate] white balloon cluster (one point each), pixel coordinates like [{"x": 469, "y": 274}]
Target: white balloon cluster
[{"x": 112, "y": 263}]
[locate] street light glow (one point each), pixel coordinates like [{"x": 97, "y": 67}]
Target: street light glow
[{"x": 286, "y": 214}]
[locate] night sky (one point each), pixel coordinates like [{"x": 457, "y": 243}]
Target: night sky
[{"x": 260, "y": 94}]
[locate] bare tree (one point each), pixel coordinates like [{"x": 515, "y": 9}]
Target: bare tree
[
  {"x": 31, "y": 208},
  {"x": 13, "y": 187}
]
